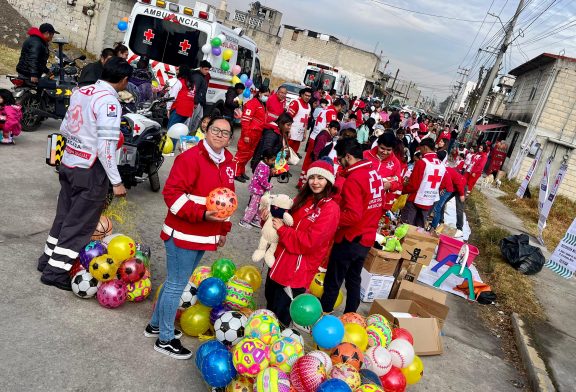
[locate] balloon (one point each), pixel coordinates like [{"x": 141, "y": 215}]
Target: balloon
[
  {"x": 235, "y": 80},
  {"x": 355, "y": 334},
  {"x": 211, "y": 292},
  {"x": 402, "y": 333},
  {"x": 216, "y": 51},
  {"x": 328, "y": 332},
  {"x": 225, "y": 66},
  {"x": 122, "y": 248},
  {"x": 218, "y": 369},
  {"x": 177, "y": 130},
  {"x": 155, "y": 84},
  {"x": 223, "y": 269},
  {"x": 227, "y": 54},
  {"x": 222, "y": 37},
  {"x": 236, "y": 70},
  {"x": 414, "y": 371},
  {"x": 125, "y": 19},
  {"x": 393, "y": 381},
  {"x": 250, "y": 274},
  {"x": 249, "y": 83},
  {"x": 216, "y": 42},
  {"x": 122, "y": 25},
  {"x": 317, "y": 289},
  {"x": 206, "y": 348},
  {"x": 247, "y": 93},
  {"x": 195, "y": 320},
  {"x": 243, "y": 78},
  {"x": 402, "y": 353},
  {"x": 305, "y": 310},
  {"x": 206, "y": 48},
  {"x": 168, "y": 146}
]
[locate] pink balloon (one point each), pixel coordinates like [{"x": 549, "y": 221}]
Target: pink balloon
[{"x": 236, "y": 70}]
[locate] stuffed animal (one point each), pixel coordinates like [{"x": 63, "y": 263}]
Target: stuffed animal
[
  {"x": 278, "y": 205},
  {"x": 392, "y": 243}
]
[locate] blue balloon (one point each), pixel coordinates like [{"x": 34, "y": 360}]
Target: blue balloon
[
  {"x": 122, "y": 25},
  {"x": 218, "y": 369},
  {"x": 247, "y": 93},
  {"x": 328, "y": 332},
  {"x": 243, "y": 78},
  {"x": 334, "y": 385},
  {"x": 205, "y": 349},
  {"x": 211, "y": 292},
  {"x": 369, "y": 377}
]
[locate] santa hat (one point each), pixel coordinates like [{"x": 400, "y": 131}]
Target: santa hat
[{"x": 322, "y": 168}]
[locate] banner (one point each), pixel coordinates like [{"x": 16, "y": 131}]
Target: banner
[
  {"x": 544, "y": 184},
  {"x": 547, "y": 206},
  {"x": 563, "y": 260},
  {"x": 524, "y": 186}
]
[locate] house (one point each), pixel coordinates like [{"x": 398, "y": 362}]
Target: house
[{"x": 540, "y": 108}]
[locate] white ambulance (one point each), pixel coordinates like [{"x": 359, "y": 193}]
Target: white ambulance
[
  {"x": 173, "y": 33},
  {"x": 323, "y": 76}
]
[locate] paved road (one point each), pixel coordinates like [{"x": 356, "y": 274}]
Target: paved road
[{"x": 55, "y": 341}]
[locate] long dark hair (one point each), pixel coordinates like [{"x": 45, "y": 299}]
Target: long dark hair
[
  {"x": 7, "y": 97},
  {"x": 306, "y": 193}
]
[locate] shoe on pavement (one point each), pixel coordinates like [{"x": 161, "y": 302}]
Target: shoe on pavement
[
  {"x": 67, "y": 285},
  {"x": 256, "y": 224},
  {"x": 458, "y": 234},
  {"x": 244, "y": 176},
  {"x": 240, "y": 179},
  {"x": 243, "y": 224},
  {"x": 154, "y": 332},
  {"x": 173, "y": 349},
  {"x": 307, "y": 330}
]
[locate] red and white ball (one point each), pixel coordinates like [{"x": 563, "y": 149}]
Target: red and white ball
[
  {"x": 378, "y": 359},
  {"x": 402, "y": 353}
]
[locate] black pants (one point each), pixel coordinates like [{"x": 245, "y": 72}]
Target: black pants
[
  {"x": 278, "y": 301},
  {"x": 345, "y": 264},
  {"x": 80, "y": 203}
]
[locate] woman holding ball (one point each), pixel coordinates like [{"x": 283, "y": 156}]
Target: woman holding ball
[{"x": 189, "y": 229}]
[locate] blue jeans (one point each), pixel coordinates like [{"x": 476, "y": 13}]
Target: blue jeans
[
  {"x": 175, "y": 118},
  {"x": 439, "y": 208},
  {"x": 180, "y": 263}
]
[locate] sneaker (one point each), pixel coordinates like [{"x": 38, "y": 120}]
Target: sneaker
[
  {"x": 66, "y": 285},
  {"x": 154, "y": 332},
  {"x": 173, "y": 349},
  {"x": 243, "y": 224},
  {"x": 256, "y": 224},
  {"x": 458, "y": 234},
  {"x": 301, "y": 328},
  {"x": 240, "y": 179},
  {"x": 244, "y": 176}
]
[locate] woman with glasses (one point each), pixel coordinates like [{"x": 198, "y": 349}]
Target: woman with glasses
[{"x": 189, "y": 229}]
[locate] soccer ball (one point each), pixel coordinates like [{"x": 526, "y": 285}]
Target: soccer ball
[
  {"x": 138, "y": 291},
  {"x": 262, "y": 327},
  {"x": 284, "y": 352},
  {"x": 84, "y": 284},
  {"x": 294, "y": 334},
  {"x": 188, "y": 297},
  {"x": 229, "y": 327},
  {"x": 103, "y": 268}
]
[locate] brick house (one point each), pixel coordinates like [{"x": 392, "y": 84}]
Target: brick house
[{"x": 541, "y": 106}]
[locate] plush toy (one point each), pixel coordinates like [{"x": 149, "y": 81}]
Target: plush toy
[
  {"x": 278, "y": 205},
  {"x": 392, "y": 243}
]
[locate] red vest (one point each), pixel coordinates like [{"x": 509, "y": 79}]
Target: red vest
[{"x": 184, "y": 103}]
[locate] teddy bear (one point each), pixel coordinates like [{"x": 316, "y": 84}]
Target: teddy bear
[{"x": 278, "y": 206}]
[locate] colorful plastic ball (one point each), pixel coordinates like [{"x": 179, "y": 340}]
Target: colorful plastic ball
[
  {"x": 307, "y": 374},
  {"x": 189, "y": 296},
  {"x": 251, "y": 356},
  {"x": 223, "y": 268},
  {"x": 272, "y": 380},
  {"x": 328, "y": 332},
  {"x": 121, "y": 248},
  {"x": 103, "y": 268},
  {"x": 377, "y": 319},
  {"x": 122, "y": 25},
  {"x": 347, "y": 353},
  {"x": 379, "y": 334},
  {"x": 262, "y": 327},
  {"x": 402, "y": 333},
  {"x": 76, "y": 267},
  {"x": 263, "y": 311},
  {"x": 334, "y": 385},
  {"x": 241, "y": 384},
  {"x": 369, "y": 377},
  {"x": 131, "y": 270},
  {"x": 414, "y": 371},
  {"x": 143, "y": 258},
  {"x": 217, "y": 368},
  {"x": 93, "y": 249},
  {"x": 250, "y": 274},
  {"x": 305, "y": 310},
  {"x": 354, "y": 333},
  {"x": 294, "y": 334},
  {"x": 346, "y": 373},
  {"x": 112, "y": 294},
  {"x": 378, "y": 359},
  {"x": 218, "y": 311},
  {"x": 238, "y": 293},
  {"x": 284, "y": 352},
  {"x": 84, "y": 285},
  {"x": 393, "y": 381},
  {"x": 324, "y": 358},
  {"x": 402, "y": 353},
  {"x": 355, "y": 318},
  {"x": 201, "y": 273},
  {"x": 369, "y": 387},
  {"x": 211, "y": 292},
  {"x": 223, "y": 200},
  {"x": 206, "y": 348},
  {"x": 195, "y": 320},
  {"x": 139, "y": 290}
]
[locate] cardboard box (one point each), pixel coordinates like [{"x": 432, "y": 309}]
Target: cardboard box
[
  {"x": 423, "y": 326},
  {"x": 419, "y": 246},
  {"x": 374, "y": 286},
  {"x": 432, "y": 300},
  {"x": 409, "y": 271},
  {"x": 381, "y": 262}
]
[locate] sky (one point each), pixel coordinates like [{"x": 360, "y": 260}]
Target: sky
[{"x": 428, "y": 50}]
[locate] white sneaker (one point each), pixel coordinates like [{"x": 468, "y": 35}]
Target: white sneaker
[
  {"x": 245, "y": 225},
  {"x": 458, "y": 234},
  {"x": 307, "y": 330}
]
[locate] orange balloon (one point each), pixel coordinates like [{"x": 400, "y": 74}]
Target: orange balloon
[{"x": 125, "y": 19}]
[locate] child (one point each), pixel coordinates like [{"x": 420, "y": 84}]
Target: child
[
  {"x": 10, "y": 116},
  {"x": 258, "y": 186},
  {"x": 201, "y": 131}
]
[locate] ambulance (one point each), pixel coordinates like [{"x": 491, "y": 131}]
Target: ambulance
[
  {"x": 323, "y": 76},
  {"x": 173, "y": 33}
]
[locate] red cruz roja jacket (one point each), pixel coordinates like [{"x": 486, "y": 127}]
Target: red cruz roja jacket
[
  {"x": 390, "y": 170},
  {"x": 253, "y": 119}
]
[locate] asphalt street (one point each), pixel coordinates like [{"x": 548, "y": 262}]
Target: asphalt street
[{"x": 56, "y": 341}]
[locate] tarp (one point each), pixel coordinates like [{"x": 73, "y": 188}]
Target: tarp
[{"x": 489, "y": 126}]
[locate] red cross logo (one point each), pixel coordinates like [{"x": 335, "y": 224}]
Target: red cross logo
[
  {"x": 435, "y": 178},
  {"x": 112, "y": 108},
  {"x": 137, "y": 128},
  {"x": 304, "y": 120},
  {"x": 149, "y": 35},
  {"x": 185, "y": 45}
]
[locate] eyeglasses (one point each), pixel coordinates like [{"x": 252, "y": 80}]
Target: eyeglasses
[{"x": 220, "y": 132}]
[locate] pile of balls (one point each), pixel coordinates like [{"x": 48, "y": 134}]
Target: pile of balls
[{"x": 112, "y": 267}]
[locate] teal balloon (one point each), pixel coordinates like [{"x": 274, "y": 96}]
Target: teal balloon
[
  {"x": 247, "y": 93},
  {"x": 328, "y": 332},
  {"x": 305, "y": 310},
  {"x": 223, "y": 269},
  {"x": 243, "y": 78},
  {"x": 122, "y": 25},
  {"x": 216, "y": 42}
]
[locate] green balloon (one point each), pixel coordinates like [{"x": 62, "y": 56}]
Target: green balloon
[
  {"x": 142, "y": 257},
  {"x": 305, "y": 310},
  {"x": 216, "y": 42},
  {"x": 223, "y": 269},
  {"x": 225, "y": 66}
]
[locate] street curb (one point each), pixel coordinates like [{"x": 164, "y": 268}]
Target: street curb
[{"x": 534, "y": 365}]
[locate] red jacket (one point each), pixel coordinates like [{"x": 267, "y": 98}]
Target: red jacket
[
  {"x": 411, "y": 188},
  {"x": 253, "y": 119},
  {"x": 478, "y": 162},
  {"x": 443, "y": 135},
  {"x": 302, "y": 247},
  {"x": 390, "y": 170},
  {"x": 457, "y": 181},
  {"x": 362, "y": 205},
  {"x": 184, "y": 102},
  {"x": 274, "y": 108},
  {"x": 193, "y": 176}
]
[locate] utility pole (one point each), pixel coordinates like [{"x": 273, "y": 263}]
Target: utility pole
[
  {"x": 497, "y": 64},
  {"x": 393, "y": 84},
  {"x": 407, "y": 102},
  {"x": 464, "y": 73}
]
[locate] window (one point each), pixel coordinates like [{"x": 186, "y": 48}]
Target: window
[
  {"x": 257, "y": 79},
  {"x": 245, "y": 59},
  {"x": 310, "y": 78},
  {"x": 294, "y": 35}
]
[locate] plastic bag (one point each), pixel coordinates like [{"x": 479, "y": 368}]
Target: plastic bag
[{"x": 524, "y": 257}]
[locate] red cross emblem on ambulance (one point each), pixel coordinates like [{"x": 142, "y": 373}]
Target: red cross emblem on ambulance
[
  {"x": 149, "y": 36},
  {"x": 184, "y": 46}
]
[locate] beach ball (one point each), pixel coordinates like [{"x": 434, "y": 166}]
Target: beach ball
[
  {"x": 347, "y": 353},
  {"x": 355, "y": 318},
  {"x": 307, "y": 374},
  {"x": 356, "y": 334},
  {"x": 377, "y": 319},
  {"x": 251, "y": 275},
  {"x": 414, "y": 371},
  {"x": 250, "y": 356},
  {"x": 206, "y": 348},
  {"x": 334, "y": 385},
  {"x": 378, "y": 359},
  {"x": 402, "y": 353},
  {"x": 223, "y": 200},
  {"x": 200, "y": 273},
  {"x": 324, "y": 358},
  {"x": 272, "y": 380},
  {"x": 263, "y": 327},
  {"x": 379, "y": 334},
  {"x": 103, "y": 268},
  {"x": 218, "y": 369},
  {"x": 211, "y": 292},
  {"x": 346, "y": 373},
  {"x": 223, "y": 269},
  {"x": 93, "y": 249},
  {"x": 402, "y": 333},
  {"x": 112, "y": 294},
  {"x": 284, "y": 351},
  {"x": 238, "y": 293},
  {"x": 393, "y": 381},
  {"x": 138, "y": 291},
  {"x": 121, "y": 248}
]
